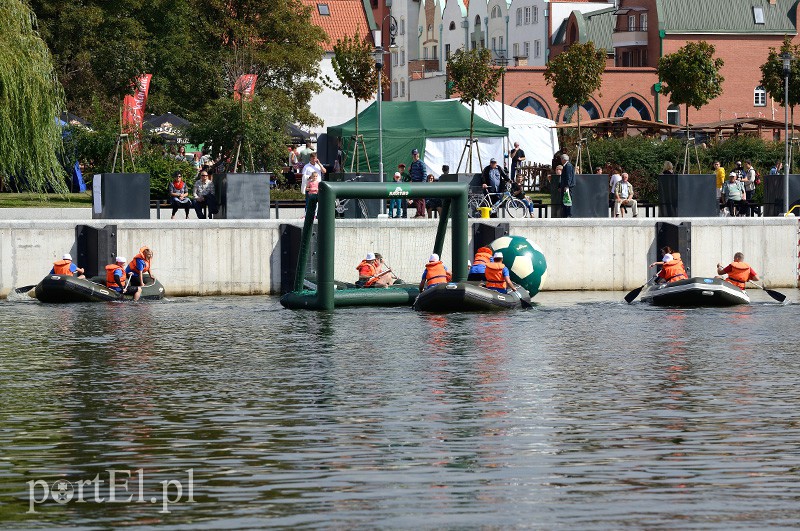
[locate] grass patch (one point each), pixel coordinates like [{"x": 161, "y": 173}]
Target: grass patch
[{"x": 31, "y": 200}]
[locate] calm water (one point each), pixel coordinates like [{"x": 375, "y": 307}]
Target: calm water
[{"x": 583, "y": 412}]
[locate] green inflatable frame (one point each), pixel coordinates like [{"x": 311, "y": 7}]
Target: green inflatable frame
[{"x": 326, "y": 297}]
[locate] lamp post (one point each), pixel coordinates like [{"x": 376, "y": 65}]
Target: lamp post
[
  {"x": 787, "y": 68},
  {"x": 502, "y": 62},
  {"x": 379, "y": 51}
]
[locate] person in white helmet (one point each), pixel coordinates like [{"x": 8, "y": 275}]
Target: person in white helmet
[
  {"x": 65, "y": 266},
  {"x": 435, "y": 273},
  {"x": 115, "y": 279}
]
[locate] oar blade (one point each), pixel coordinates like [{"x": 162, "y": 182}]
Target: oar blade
[
  {"x": 25, "y": 289},
  {"x": 777, "y": 295},
  {"x": 630, "y": 297}
]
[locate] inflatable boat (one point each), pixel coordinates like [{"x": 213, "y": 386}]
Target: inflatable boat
[
  {"x": 693, "y": 292},
  {"x": 65, "y": 288},
  {"x": 469, "y": 297}
]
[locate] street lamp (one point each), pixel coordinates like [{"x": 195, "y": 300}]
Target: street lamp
[
  {"x": 502, "y": 62},
  {"x": 787, "y": 68},
  {"x": 379, "y": 51}
]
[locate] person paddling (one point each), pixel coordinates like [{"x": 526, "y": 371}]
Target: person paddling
[
  {"x": 66, "y": 267},
  {"x": 366, "y": 270},
  {"x": 497, "y": 277},
  {"x": 672, "y": 269},
  {"x": 739, "y": 272},
  {"x": 115, "y": 279},
  {"x": 435, "y": 273}
]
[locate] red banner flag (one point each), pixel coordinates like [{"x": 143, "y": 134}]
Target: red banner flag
[
  {"x": 245, "y": 87},
  {"x": 133, "y": 105}
]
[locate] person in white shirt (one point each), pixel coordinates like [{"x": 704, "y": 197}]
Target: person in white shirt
[
  {"x": 313, "y": 165},
  {"x": 623, "y": 196}
]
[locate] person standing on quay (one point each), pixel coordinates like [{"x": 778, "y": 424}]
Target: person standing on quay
[
  {"x": 566, "y": 184},
  {"x": 418, "y": 173}
]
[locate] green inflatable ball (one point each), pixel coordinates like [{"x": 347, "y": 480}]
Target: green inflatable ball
[{"x": 525, "y": 261}]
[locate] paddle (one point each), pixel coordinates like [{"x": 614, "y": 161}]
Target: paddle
[
  {"x": 127, "y": 283},
  {"x": 630, "y": 297},
  {"x": 25, "y": 289},
  {"x": 525, "y": 304},
  {"x": 778, "y": 296}
]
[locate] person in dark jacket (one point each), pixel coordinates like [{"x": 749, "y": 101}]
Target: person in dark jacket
[{"x": 566, "y": 184}]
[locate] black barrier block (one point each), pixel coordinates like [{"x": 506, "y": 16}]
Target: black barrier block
[
  {"x": 483, "y": 234},
  {"x": 589, "y": 196},
  {"x": 687, "y": 196},
  {"x": 242, "y": 195},
  {"x": 679, "y": 238},
  {"x": 774, "y": 193},
  {"x": 290, "y": 238},
  {"x": 121, "y": 196},
  {"x": 96, "y": 248}
]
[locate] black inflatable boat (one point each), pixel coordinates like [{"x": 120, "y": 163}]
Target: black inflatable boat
[
  {"x": 65, "y": 288},
  {"x": 469, "y": 297},
  {"x": 693, "y": 292}
]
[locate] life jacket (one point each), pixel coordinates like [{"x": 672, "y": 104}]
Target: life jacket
[
  {"x": 110, "y": 280},
  {"x": 482, "y": 256},
  {"x": 132, "y": 264},
  {"x": 436, "y": 274},
  {"x": 494, "y": 275},
  {"x": 62, "y": 267},
  {"x": 739, "y": 275},
  {"x": 366, "y": 269},
  {"x": 673, "y": 270}
]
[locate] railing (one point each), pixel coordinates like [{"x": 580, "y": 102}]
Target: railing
[{"x": 627, "y": 29}]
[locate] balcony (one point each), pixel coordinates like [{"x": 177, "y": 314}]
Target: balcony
[{"x": 628, "y": 37}]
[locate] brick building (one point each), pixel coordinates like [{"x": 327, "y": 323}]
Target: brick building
[{"x": 638, "y": 32}]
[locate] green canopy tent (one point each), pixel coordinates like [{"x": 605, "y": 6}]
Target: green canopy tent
[{"x": 438, "y": 129}]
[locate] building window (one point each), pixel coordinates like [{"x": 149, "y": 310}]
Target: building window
[
  {"x": 537, "y": 48},
  {"x": 502, "y": 45},
  {"x": 402, "y": 88},
  {"x": 535, "y": 15},
  {"x": 452, "y": 26},
  {"x": 494, "y": 44},
  {"x": 760, "y": 97},
  {"x": 425, "y": 52},
  {"x": 643, "y": 21},
  {"x": 394, "y": 59},
  {"x": 477, "y": 21},
  {"x": 527, "y": 15},
  {"x": 533, "y": 105},
  {"x": 394, "y": 89},
  {"x": 632, "y": 23},
  {"x": 519, "y": 16},
  {"x": 496, "y": 12},
  {"x": 758, "y": 14},
  {"x": 447, "y": 51},
  {"x": 516, "y": 49},
  {"x": 324, "y": 10},
  {"x": 402, "y": 26},
  {"x": 402, "y": 57},
  {"x": 526, "y": 49},
  {"x": 635, "y": 104},
  {"x": 674, "y": 115},
  {"x": 435, "y": 52}
]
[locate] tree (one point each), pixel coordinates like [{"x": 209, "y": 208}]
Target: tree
[
  {"x": 772, "y": 75},
  {"x": 474, "y": 79},
  {"x": 692, "y": 76},
  {"x": 356, "y": 75},
  {"x": 575, "y": 75},
  {"x": 32, "y": 99}
]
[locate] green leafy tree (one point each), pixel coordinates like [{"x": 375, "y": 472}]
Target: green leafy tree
[
  {"x": 30, "y": 101},
  {"x": 692, "y": 76},
  {"x": 356, "y": 75},
  {"x": 473, "y": 77},
  {"x": 575, "y": 75},
  {"x": 772, "y": 75}
]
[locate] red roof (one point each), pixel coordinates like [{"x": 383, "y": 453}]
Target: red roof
[{"x": 346, "y": 17}]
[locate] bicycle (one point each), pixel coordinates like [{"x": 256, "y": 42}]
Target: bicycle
[
  {"x": 342, "y": 205},
  {"x": 514, "y": 208}
]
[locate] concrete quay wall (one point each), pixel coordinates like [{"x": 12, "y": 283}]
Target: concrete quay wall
[{"x": 222, "y": 257}]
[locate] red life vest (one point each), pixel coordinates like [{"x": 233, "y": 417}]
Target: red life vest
[
  {"x": 739, "y": 275},
  {"x": 482, "y": 256},
  {"x": 62, "y": 267},
  {"x": 366, "y": 269},
  {"x": 673, "y": 271},
  {"x": 132, "y": 264},
  {"x": 436, "y": 274},
  {"x": 494, "y": 275},
  {"x": 111, "y": 282}
]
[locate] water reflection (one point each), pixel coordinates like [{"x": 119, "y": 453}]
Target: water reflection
[{"x": 574, "y": 414}]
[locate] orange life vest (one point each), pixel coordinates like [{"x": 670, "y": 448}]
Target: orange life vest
[
  {"x": 365, "y": 269},
  {"x": 436, "y": 274},
  {"x": 482, "y": 256},
  {"x": 62, "y": 267},
  {"x": 673, "y": 270},
  {"x": 494, "y": 275},
  {"x": 739, "y": 275},
  {"x": 132, "y": 265},
  {"x": 110, "y": 280}
]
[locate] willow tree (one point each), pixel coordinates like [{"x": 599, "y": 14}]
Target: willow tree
[
  {"x": 30, "y": 101},
  {"x": 474, "y": 78},
  {"x": 575, "y": 75},
  {"x": 692, "y": 79},
  {"x": 356, "y": 77}
]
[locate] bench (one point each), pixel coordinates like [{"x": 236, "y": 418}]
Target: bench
[{"x": 649, "y": 209}]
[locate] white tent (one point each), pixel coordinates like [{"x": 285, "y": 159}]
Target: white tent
[{"x": 535, "y": 134}]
